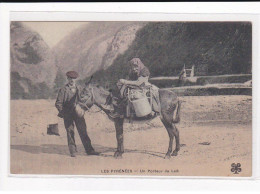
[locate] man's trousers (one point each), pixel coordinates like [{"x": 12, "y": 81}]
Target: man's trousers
[{"x": 69, "y": 121}]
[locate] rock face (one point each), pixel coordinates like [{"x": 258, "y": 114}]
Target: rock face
[
  {"x": 213, "y": 48},
  {"x": 94, "y": 46},
  {"x": 30, "y": 55}
]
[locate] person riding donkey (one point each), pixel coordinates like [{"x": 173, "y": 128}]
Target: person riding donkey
[{"x": 138, "y": 78}]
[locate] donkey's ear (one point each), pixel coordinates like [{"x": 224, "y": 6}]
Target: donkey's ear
[{"x": 89, "y": 81}]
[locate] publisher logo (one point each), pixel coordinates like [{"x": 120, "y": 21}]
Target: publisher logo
[{"x": 235, "y": 168}]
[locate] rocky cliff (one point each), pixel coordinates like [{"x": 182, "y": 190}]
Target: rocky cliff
[
  {"x": 94, "y": 46},
  {"x": 30, "y": 55},
  {"x": 36, "y": 68}
]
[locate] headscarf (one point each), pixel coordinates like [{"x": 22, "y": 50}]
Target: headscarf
[{"x": 138, "y": 62}]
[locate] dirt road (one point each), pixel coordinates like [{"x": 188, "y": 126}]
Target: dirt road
[{"x": 215, "y": 131}]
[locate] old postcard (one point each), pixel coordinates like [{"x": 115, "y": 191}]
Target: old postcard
[{"x": 131, "y": 98}]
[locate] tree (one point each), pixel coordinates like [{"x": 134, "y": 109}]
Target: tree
[{"x": 59, "y": 80}]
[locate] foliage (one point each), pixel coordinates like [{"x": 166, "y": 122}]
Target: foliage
[
  {"x": 59, "y": 80},
  {"x": 23, "y": 88},
  {"x": 215, "y": 48}
]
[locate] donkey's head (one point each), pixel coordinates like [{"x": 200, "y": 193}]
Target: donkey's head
[{"x": 93, "y": 94}]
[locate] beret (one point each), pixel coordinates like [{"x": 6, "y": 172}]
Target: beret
[{"x": 72, "y": 74}]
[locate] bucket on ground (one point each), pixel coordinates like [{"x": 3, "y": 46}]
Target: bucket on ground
[{"x": 52, "y": 129}]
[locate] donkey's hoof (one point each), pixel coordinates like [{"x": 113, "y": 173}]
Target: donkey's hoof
[
  {"x": 167, "y": 156},
  {"x": 118, "y": 155},
  {"x": 174, "y": 153}
]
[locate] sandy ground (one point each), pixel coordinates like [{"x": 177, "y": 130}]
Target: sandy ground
[{"x": 215, "y": 131}]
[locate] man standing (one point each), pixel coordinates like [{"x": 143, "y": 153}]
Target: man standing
[{"x": 65, "y": 104}]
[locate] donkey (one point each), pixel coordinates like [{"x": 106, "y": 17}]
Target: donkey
[{"x": 92, "y": 94}]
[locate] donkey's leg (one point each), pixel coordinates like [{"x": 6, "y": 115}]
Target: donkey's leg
[
  {"x": 168, "y": 127},
  {"x": 119, "y": 137},
  {"x": 177, "y": 139}
]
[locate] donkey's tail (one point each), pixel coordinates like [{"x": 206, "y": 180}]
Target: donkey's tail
[{"x": 176, "y": 113}]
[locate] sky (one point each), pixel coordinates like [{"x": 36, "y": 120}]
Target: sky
[{"x": 53, "y": 32}]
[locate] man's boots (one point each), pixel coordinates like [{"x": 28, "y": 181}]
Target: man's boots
[{"x": 72, "y": 150}]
